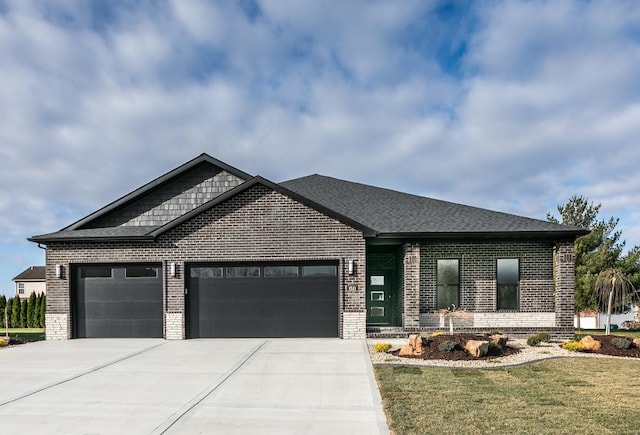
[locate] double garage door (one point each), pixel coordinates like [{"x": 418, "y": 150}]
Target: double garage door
[{"x": 222, "y": 300}]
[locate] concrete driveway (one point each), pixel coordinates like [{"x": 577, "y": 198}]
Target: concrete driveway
[{"x": 146, "y": 386}]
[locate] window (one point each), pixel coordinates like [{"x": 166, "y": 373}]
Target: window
[
  {"x": 96, "y": 272},
  {"x": 206, "y": 272},
  {"x": 242, "y": 272},
  {"x": 448, "y": 277},
  {"x": 508, "y": 278},
  {"x": 280, "y": 271},
  {"x": 327, "y": 270},
  {"x": 20, "y": 288},
  {"x": 141, "y": 272}
]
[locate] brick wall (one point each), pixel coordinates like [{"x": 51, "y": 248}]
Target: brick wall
[
  {"x": 411, "y": 283},
  {"x": 478, "y": 274},
  {"x": 256, "y": 225}
]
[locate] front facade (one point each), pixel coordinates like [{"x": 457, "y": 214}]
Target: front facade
[
  {"x": 207, "y": 250},
  {"x": 31, "y": 280}
]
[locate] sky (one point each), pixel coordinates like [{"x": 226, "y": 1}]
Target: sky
[{"x": 507, "y": 105}]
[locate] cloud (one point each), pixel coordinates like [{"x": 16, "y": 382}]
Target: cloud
[{"x": 507, "y": 105}]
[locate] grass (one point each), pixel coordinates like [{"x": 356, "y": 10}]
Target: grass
[
  {"x": 29, "y": 334},
  {"x": 577, "y": 395},
  {"x": 620, "y": 332}
]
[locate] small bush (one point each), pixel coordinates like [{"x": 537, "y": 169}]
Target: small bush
[
  {"x": 382, "y": 347},
  {"x": 535, "y": 340},
  {"x": 447, "y": 346},
  {"x": 494, "y": 349},
  {"x": 3, "y": 343},
  {"x": 437, "y": 334},
  {"x": 573, "y": 346},
  {"x": 578, "y": 337},
  {"x": 621, "y": 343}
]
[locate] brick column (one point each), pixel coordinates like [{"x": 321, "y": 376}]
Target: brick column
[
  {"x": 565, "y": 288},
  {"x": 411, "y": 290}
]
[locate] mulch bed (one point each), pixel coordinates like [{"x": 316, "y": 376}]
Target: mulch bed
[
  {"x": 609, "y": 349},
  {"x": 430, "y": 348},
  {"x": 13, "y": 341}
]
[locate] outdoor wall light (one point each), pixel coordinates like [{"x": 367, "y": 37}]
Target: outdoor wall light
[
  {"x": 172, "y": 270},
  {"x": 351, "y": 267},
  {"x": 58, "y": 271}
]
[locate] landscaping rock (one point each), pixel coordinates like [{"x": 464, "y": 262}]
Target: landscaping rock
[
  {"x": 589, "y": 344},
  {"x": 413, "y": 348},
  {"x": 477, "y": 348},
  {"x": 636, "y": 342},
  {"x": 500, "y": 340}
]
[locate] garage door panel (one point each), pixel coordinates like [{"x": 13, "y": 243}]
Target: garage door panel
[
  {"x": 262, "y": 307},
  {"x": 118, "y": 306}
]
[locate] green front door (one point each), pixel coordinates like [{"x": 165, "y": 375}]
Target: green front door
[{"x": 379, "y": 299}]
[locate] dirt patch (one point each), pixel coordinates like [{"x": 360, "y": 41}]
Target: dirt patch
[{"x": 431, "y": 348}]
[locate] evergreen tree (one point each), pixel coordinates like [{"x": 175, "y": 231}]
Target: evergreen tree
[
  {"x": 43, "y": 310},
  {"x": 15, "y": 312},
  {"x": 3, "y": 304},
  {"x": 597, "y": 251},
  {"x": 31, "y": 310},
  {"x": 24, "y": 307},
  {"x": 36, "y": 311}
]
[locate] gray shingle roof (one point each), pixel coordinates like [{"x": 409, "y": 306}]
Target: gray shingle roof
[
  {"x": 33, "y": 273},
  {"x": 390, "y": 212}
]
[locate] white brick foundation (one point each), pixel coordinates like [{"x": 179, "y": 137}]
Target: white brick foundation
[
  {"x": 57, "y": 326},
  {"x": 354, "y": 325},
  {"x": 174, "y": 326},
  {"x": 493, "y": 320}
]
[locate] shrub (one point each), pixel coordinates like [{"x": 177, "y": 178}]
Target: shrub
[
  {"x": 573, "y": 346},
  {"x": 437, "y": 334},
  {"x": 535, "y": 340},
  {"x": 621, "y": 343},
  {"x": 578, "y": 337},
  {"x": 382, "y": 347},
  {"x": 447, "y": 346},
  {"x": 494, "y": 349}
]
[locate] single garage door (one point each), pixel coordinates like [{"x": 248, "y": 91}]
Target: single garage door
[
  {"x": 262, "y": 300},
  {"x": 117, "y": 301}
]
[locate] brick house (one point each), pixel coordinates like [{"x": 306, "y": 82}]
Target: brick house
[{"x": 207, "y": 250}]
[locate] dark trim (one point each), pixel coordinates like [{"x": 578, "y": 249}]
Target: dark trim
[
  {"x": 484, "y": 235},
  {"x": 45, "y": 239},
  {"x": 202, "y": 158}
]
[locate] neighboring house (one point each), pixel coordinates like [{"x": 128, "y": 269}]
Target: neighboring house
[
  {"x": 207, "y": 250},
  {"x": 32, "y": 280}
]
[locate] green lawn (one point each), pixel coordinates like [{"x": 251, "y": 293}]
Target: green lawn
[
  {"x": 29, "y": 334},
  {"x": 621, "y": 332},
  {"x": 577, "y": 395}
]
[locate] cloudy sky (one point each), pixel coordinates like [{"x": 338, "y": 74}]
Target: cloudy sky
[{"x": 507, "y": 105}]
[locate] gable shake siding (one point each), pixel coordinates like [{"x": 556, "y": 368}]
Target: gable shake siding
[
  {"x": 256, "y": 225},
  {"x": 169, "y": 202}
]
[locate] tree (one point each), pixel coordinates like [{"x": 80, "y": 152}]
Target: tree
[
  {"x": 23, "y": 313},
  {"x": 43, "y": 310},
  {"x": 31, "y": 310},
  {"x": 15, "y": 312},
  {"x": 597, "y": 251},
  {"x": 615, "y": 293},
  {"x": 3, "y": 304}
]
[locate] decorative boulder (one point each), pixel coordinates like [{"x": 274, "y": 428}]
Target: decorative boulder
[
  {"x": 477, "y": 348},
  {"x": 413, "y": 348},
  {"x": 500, "y": 340},
  {"x": 636, "y": 342},
  {"x": 589, "y": 344}
]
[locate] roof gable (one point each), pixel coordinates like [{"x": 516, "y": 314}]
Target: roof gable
[{"x": 168, "y": 196}]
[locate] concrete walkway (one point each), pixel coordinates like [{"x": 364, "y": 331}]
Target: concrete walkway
[{"x": 296, "y": 386}]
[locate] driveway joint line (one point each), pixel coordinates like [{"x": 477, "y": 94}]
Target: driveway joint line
[
  {"x": 164, "y": 427},
  {"x": 79, "y": 375}
]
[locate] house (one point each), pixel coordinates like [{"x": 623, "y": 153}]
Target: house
[
  {"x": 31, "y": 280},
  {"x": 207, "y": 250}
]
